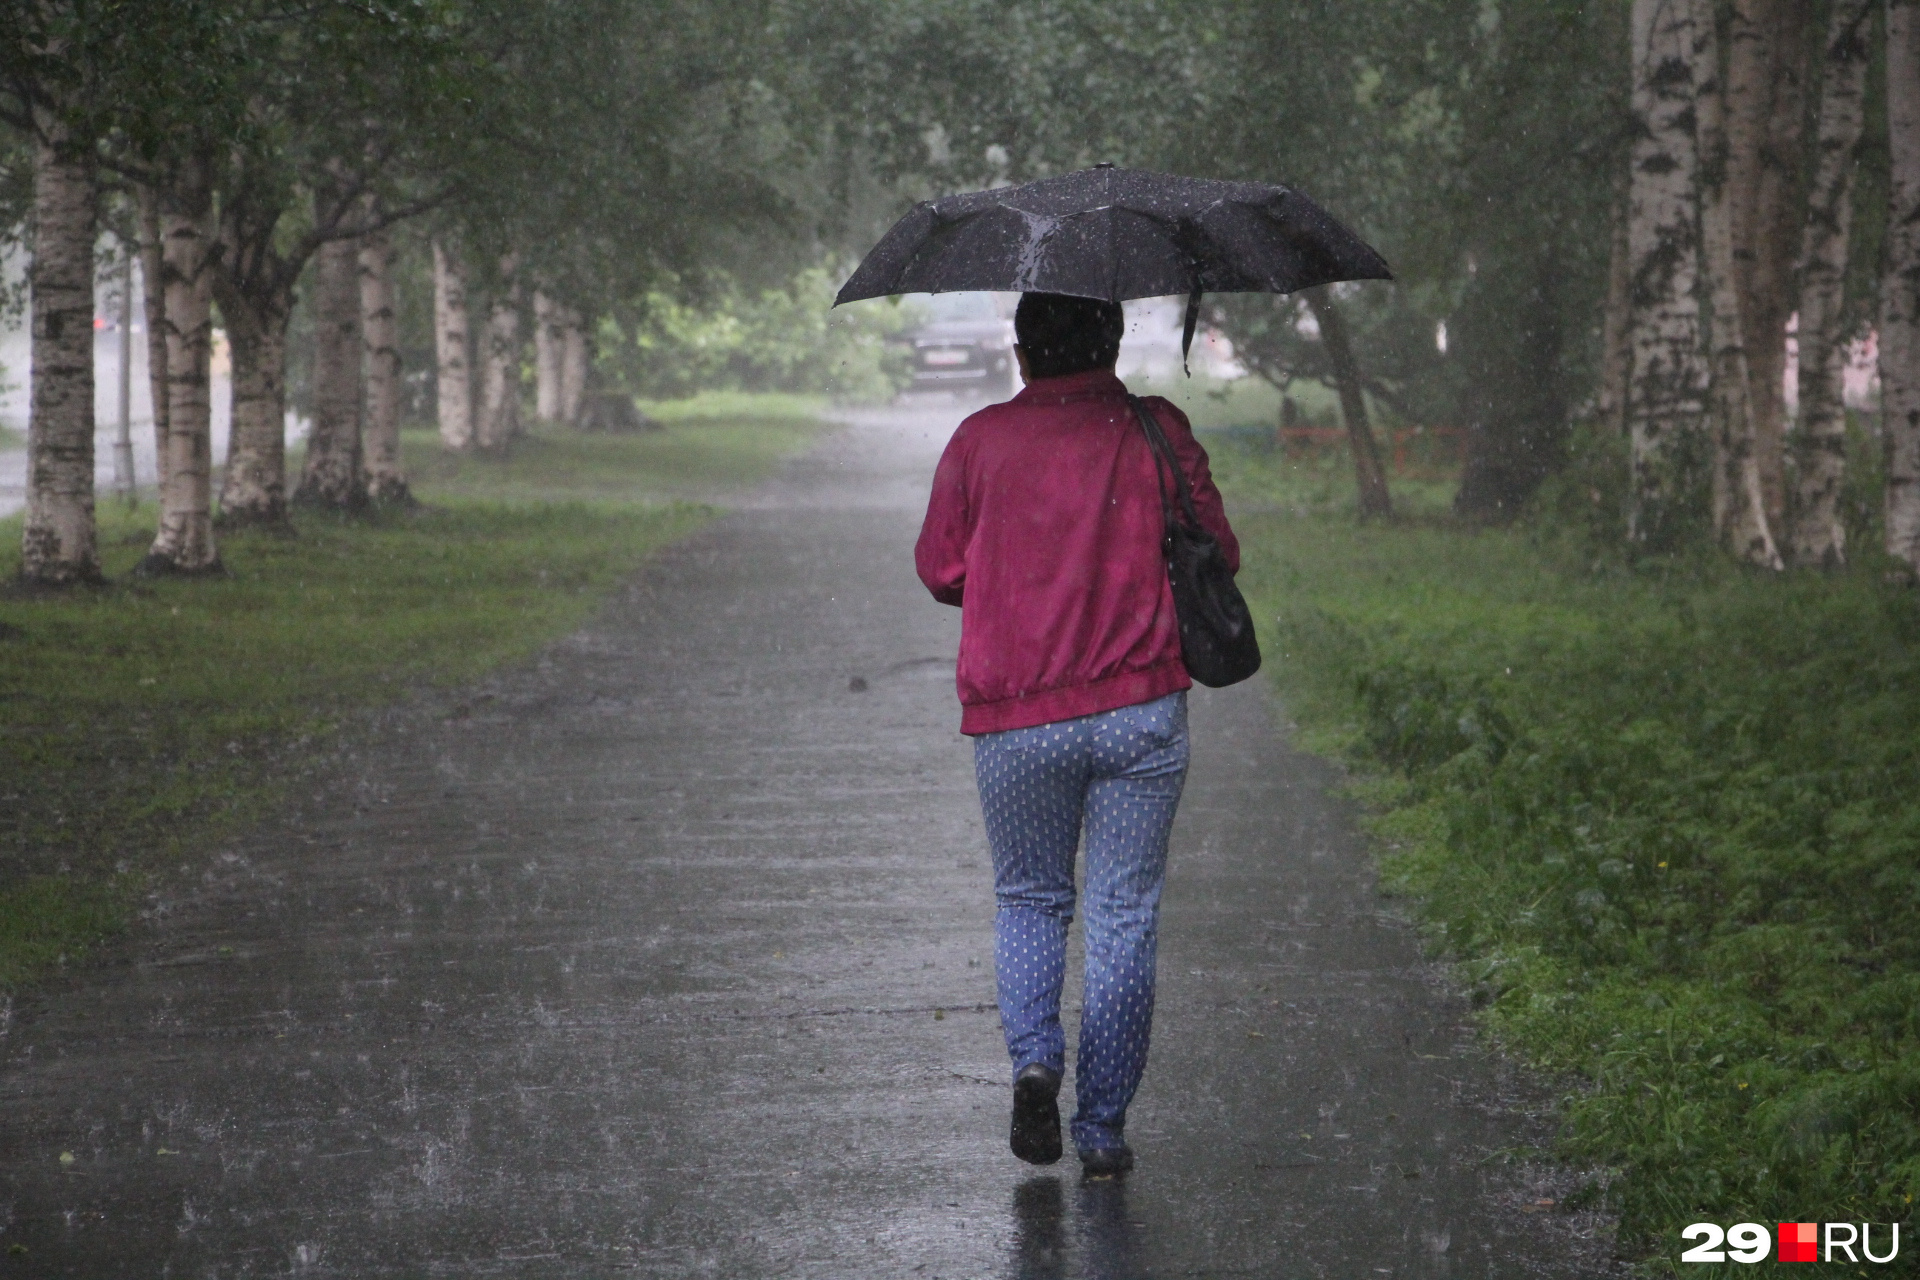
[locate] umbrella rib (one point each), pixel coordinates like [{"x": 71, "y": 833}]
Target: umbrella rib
[
  {"x": 1113, "y": 250},
  {"x": 1040, "y": 229}
]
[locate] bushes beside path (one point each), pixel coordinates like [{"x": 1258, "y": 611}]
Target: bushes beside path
[
  {"x": 1665, "y": 816},
  {"x": 141, "y": 721}
]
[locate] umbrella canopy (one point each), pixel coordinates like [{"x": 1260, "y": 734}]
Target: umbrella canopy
[{"x": 1117, "y": 234}]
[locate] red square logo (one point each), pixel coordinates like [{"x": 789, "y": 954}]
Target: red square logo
[{"x": 1799, "y": 1242}]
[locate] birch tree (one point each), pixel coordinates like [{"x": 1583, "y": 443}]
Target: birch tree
[
  {"x": 560, "y": 360},
  {"x": 1900, "y": 286},
  {"x": 452, "y": 349},
  {"x": 1818, "y": 536},
  {"x": 549, "y": 341},
  {"x": 574, "y": 359},
  {"x": 58, "y": 545},
  {"x": 1765, "y": 102},
  {"x": 1739, "y": 506},
  {"x": 327, "y": 152},
  {"x": 184, "y": 543},
  {"x": 254, "y": 285},
  {"x": 154, "y": 303},
  {"x": 380, "y": 330},
  {"x": 1666, "y": 406},
  {"x": 331, "y": 476},
  {"x": 499, "y": 418}
]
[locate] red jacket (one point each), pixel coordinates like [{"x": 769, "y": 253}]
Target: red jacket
[{"x": 1045, "y": 528}]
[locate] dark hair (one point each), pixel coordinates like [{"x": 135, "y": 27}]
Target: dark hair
[{"x": 1061, "y": 334}]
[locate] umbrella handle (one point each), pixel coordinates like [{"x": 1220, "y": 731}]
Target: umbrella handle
[{"x": 1186, "y": 333}]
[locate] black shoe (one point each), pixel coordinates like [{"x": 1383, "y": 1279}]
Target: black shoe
[
  {"x": 1106, "y": 1162},
  {"x": 1036, "y": 1115}
]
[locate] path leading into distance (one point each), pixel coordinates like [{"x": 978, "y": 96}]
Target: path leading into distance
[{"x": 669, "y": 954}]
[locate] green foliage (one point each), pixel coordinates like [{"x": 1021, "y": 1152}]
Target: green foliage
[
  {"x": 624, "y": 147},
  {"x": 1417, "y": 718},
  {"x": 1580, "y": 512},
  {"x": 1584, "y": 507},
  {"x": 1667, "y": 818},
  {"x": 788, "y": 339},
  {"x": 141, "y": 721}
]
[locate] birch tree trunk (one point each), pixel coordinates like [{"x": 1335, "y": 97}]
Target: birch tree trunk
[
  {"x": 185, "y": 543},
  {"x": 452, "y": 347},
  {"x": 253, "y": 489},
  {"x": 574, "y": 356},
  {"x": 58, "y": 545},
  {"x": 331, "y": 476},
  {"x": 1369, "y": 475},
  {"x": 1820, "y": 444},
  {"x": 1766, "y": 100},
  {"x": 1616, "y": 329},
  {"x": 1666, "y": 405},
  {"x": 380, "y": 327},
  {"x": 154, "y": 303},
  {"x": 1900, "y": 285},
  {"x": 1739, "y": 507},
  {"x": 500, "y": 374},
  {"x": 549, "y": 342}
]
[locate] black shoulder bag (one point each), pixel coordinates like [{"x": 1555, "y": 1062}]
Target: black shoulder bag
[{"x": 1216, "y": 630}]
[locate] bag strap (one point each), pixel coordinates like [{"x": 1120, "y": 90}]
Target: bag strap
[{"x": 1163, "y": 453}]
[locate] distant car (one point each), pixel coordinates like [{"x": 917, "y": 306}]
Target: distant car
[{"x": 965, "y": 345}]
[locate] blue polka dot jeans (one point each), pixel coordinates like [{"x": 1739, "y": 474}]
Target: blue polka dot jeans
[{"x": 1118, "y": 774}]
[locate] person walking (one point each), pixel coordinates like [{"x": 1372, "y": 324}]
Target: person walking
[{"x": 1045, "y": 527}]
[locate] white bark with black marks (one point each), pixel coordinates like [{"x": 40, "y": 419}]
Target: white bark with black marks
[
  {"x": 185, "y": 542},
  {"x": 452, "y": 349},
  {"x": 1667, "y": 393},
  {"x": 331, "y": 475},
  {"x": 1739, "y": 506},
  {"x": 380, "y": 330},
  {"x": 1900, "y": 285},
  {"x": 58, "y": 546},
  {"x": 1820, "y": 444},
  {"x": 253, "y": 488}
]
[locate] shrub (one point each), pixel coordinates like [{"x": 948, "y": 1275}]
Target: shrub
[{"x": 789, "y": 339}]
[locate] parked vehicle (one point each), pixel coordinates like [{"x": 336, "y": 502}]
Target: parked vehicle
[{"x": 964, "y": 346}]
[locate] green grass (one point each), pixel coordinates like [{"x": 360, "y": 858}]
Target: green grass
[
  {"x": 738, "y": 407},
  {"x": 142, "y": 720},
  {"x": 712, "y": 442},
  {"x": 1665, "y": 815}
]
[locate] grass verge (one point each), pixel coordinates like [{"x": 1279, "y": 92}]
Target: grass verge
[
  {"x": 1666, "y": 816},
  {"x": 142, "y": 720}
]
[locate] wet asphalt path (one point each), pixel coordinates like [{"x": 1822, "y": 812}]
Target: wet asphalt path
[{"x": 669, "y": 954}]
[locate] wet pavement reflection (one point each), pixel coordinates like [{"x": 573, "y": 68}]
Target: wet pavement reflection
[
  {"x": 669, "y": 954},
  {"x": 1097, "y": 1241}
]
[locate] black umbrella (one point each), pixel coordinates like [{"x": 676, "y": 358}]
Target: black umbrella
[{"x": 1117, "y": 234}]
